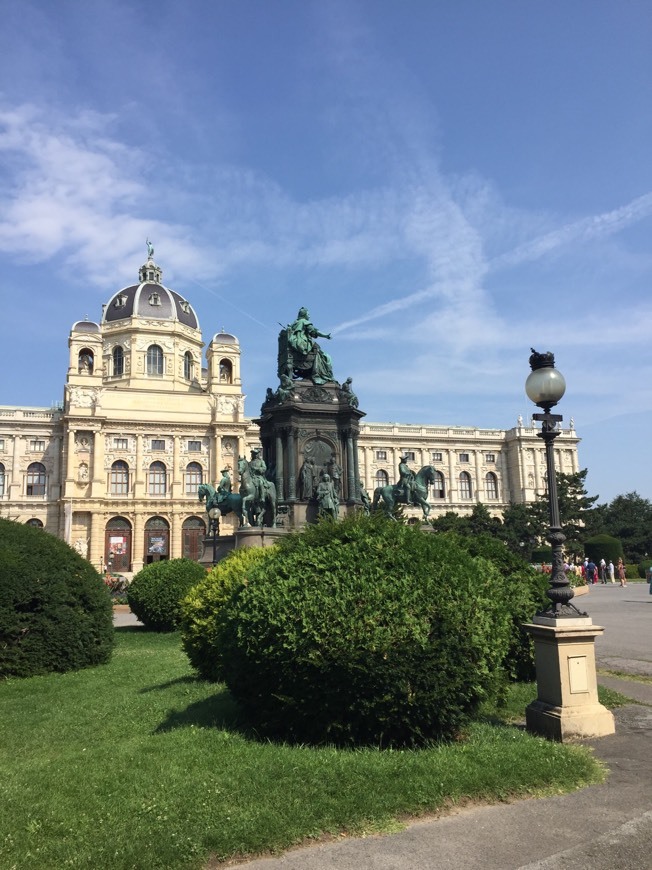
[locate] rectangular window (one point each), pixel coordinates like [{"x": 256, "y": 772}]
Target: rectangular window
[
  {"x": 194, "y": 447},
  {"x": 2, "y": 445},
  {"x": 490, "y": 457},
  {"x": 464, "y": 457},
  {"x": 410, "y": 455},
  {"x": 37, "y": 446},
  {"x": 381, "y": 454},
  {"x": 120, "y": 443},
  {"x": 436, "y": 456},
  {"x": 158, "y": 443}
]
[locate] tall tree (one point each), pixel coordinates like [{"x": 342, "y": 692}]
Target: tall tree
[
  {"x": 574, "y": 508},
  {"x": 520, "y": 531},
  {"x": 629, "y": 518}
]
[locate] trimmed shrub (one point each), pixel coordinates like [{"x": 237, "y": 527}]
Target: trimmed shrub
[
  {"x": 201, "y": 606},
  {"x": 155, "y": 593},
  {"x": 603, "y": 547},
  {"x": 55, "y": 612},
  {"x": 542, "y": 555},
  {"x": 365, "y": 631},
  {"x": 644, "y": 567},
  {"x": 526, "y": 591},
  {"x": 631, "y": 572}
]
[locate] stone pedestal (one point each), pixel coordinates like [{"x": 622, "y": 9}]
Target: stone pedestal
[
  {"x": 567, "y": 705},
  {"x": 223, "y": 546},
  {"x": 258, "y": 536}
]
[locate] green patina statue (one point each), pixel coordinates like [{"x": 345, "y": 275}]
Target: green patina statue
[
  {"x": 365, "y": 499},
  {"x": 226, "y": 502},
  {"x": 327, "y": 498},
  {"x": 299, "y": 355},
  {"x": 258, "y": 493},
  {"x": 412, "y": 489}
]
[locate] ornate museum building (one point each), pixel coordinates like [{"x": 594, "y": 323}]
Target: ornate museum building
[{"x": 115, "y": 471}]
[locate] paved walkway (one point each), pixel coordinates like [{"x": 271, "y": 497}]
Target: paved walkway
[{"x": 604, "y": 827}]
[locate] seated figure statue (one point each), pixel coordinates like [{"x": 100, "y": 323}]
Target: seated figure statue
[{"x": 300, "y": 355}]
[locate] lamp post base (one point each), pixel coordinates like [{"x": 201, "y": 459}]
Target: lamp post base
[{"x": 567, "y": 706}]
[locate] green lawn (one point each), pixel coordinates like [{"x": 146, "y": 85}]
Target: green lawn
[{"x": 139, "y": 764}]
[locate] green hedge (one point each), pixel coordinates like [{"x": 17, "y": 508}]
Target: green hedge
[
  {"x": 603, "y": 547},
  {"x": 643, "y": 568},
  {"x": 155, "y": 593},
  {"x": 542, "y": 555},
  {"x": 632, "y": 572},
  {"x": 365, "y": 631},
  {"x": 201, "y": 606},
  {"x": 55, "y": 612}
]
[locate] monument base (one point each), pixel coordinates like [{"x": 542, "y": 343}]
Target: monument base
[
  {"x": 223, "y": 546},
  {"x": 258, "y": 536},
  {"x": 567, "y": 706}
]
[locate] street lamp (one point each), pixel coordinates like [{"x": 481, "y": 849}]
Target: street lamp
[
  {"x": 545, "y": 386},
  {"x": 214, "y": 516}
]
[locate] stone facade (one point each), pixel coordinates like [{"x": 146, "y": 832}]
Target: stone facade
[{"x": 115, "y": 470}]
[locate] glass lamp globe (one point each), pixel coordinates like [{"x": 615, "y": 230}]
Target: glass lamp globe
[
  {"x": 214, "y": 513},
  {"x": 545, "y": 386}
]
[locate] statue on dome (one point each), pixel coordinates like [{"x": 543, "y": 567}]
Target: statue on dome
[
  {"x": 150, "y": 249},
  {"x": 299, "y": 354}
]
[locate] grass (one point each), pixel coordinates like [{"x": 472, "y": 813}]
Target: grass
[{"x": 139, "y": 764}]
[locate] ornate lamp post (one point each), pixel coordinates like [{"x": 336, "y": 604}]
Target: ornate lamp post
[
  {"x": 545, "y": 386},
  {"x": 214, "y": 516}
]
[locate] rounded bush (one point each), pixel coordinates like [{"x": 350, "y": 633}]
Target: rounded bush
[
  {"x": 365, "y": 631},
  {"x": 644, "y": 568},
  {"x": 603, "y": 547},
  {"x": 526, "y": 595},
  {"x": 541, "y": 554},
  {"x": 155, "y": 593},
  {"x": 201, "y": 606},
  {"x": 55, "y": 612}
]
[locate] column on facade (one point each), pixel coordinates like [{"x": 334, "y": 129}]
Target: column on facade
[
  {"x": 139, "y": 473},
  {"x": 452, "y": 487},
  {"x": 369, "y": 482},
  {"x": 536, "y": 455},
  {"x": 16, "y": 486},
  {"x": 138, "y": 540},
  {"x": 394, "y": 476},
  {"x": 292, "y": 464},
  {"x": 176, "y": 535},
  {"x": 55, "y": 480},
  {"x": 280, "y": 481},
  {"x": 98, "y": 486},
  {"x": 523, "y": 470},
  {"x": 96, "y": 546},
  {"x": 177, "y": 476},
  {"x": 479, "y": 488},
  {"x": 242, "y": 448},
  {"x": 215, "y": 462}
]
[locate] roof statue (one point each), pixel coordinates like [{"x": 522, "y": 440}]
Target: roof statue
[
  {"x": 299, "y": 355},
  {"x": 150, "y": 249}
]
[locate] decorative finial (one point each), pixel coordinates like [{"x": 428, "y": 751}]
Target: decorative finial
[
  {"x": 150, "y": 249},
  {"x": 541, "y": 360}
]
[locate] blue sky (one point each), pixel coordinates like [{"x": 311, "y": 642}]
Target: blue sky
[{"x": 443, "y": 184}]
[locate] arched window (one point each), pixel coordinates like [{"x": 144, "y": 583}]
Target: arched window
[
  {"x": 119, "y": 478},
  {"x": 157, "y": 478},
  {"x": 2, "y": 479},
  {"x": 157, "y": 539},
  {"x": 491, "y": 485},
  {"x": 226, "y": 371},
  {"x": 193, "y": 534},
  {"x": 187, "y": 365},
  {"x": 117, "y": 544},
  {"x": 36, "y": 479},
  {"x": 382, "y": 478},
  {"x": 154, "y": 360},
  {"x": 465, "y": 485},
  {"x": 118, "y": 361},
  {"x": 37, "y": 524},
  {"x": 193, "y": 478},
  {"x": 438, "y": 486}
]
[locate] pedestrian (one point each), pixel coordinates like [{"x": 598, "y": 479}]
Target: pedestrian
[
  {"x": 591, "y": 572},
  {"x": 612, "y": 571},
  {"x": 603, "y": 571},
  {"x": 621, "y": 573}
]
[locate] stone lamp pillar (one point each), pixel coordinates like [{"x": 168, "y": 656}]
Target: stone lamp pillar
[{"x": 567, "y": 703}]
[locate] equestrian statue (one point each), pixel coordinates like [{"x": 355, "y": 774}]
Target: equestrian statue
[
  {"x": 412, "y": 489},
  {"x": 258, "y": 493},
  {"x": 226, "y": 502}
]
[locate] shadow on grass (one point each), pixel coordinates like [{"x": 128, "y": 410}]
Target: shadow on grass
[
  {"x": 219, "y": 711},
  {"x": 177, "y": 681},
  {"x": 129, "y": 629}
]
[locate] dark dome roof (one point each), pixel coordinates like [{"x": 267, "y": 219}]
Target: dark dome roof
[
  {"x": 150, "y": 300},
  {"x": 225, "y": 338},
  {"x": 85, "y": 326}
]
